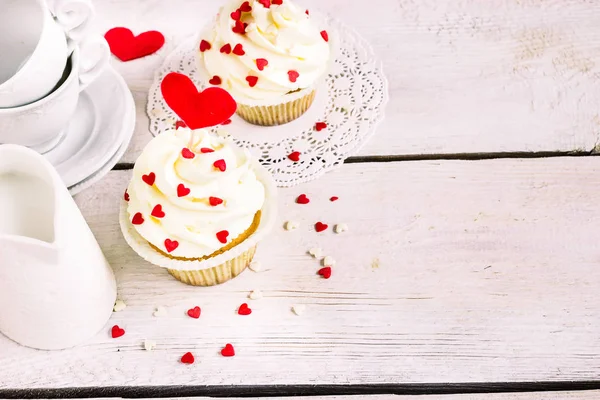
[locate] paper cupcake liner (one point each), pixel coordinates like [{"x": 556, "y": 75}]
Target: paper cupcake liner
[
  {"x": 226, "y": 264},
  {"x": 276, "y": 114}
]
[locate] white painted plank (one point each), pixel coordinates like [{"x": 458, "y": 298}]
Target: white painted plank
[
  {"x": 487, "y": 272},
  {"x": 466, "y": 76}
]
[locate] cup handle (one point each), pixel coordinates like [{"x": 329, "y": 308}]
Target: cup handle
[
  {"x": 74, "y": 16},
  {"x": 94, "y": 56}
]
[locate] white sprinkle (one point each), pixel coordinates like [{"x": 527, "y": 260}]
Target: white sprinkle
[
  {"x": 149, "y": 345},
  {"x": 298, "y": 309},
  {"x": 119, "y": 306},
  {"x": 328, "y": 261},
  {"x": 291, "y": 225},
  {"x": 255, "y": 295},
  {"x": 339, "y": 228},
  {"x": 255, "y": 266},
  {"x": 160, "y": 312},
  {"x": 316, "y": 252}
]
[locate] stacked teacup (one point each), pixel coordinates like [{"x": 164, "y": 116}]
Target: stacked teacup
[{"x": 46, "y": 60}]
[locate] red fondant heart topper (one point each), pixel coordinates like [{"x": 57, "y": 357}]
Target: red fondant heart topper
[
  {"x": 210, "y": 107},
  {"x": 125, "y": 46}
]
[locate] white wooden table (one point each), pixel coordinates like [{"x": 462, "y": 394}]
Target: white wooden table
[{"x": 472, "y": 260}]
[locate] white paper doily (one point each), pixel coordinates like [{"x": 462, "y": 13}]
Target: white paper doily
[{"x": 351, "y": 101}]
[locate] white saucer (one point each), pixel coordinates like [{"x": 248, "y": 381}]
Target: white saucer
[{"x": 98, "y": 134}]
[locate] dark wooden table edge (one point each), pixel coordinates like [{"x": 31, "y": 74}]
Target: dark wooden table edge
[{"x": 299, "y": 390}]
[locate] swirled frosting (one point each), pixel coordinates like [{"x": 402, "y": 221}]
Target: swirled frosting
[
  {"x": 281, "y": 47},
  {"x": 192, "y": 193}
]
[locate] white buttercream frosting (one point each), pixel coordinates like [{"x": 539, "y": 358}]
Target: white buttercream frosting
[
  {"x": 190, "y": 220},
  {"x": 283, "y": 35}
]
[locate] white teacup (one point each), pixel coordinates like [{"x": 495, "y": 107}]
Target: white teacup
[
  {"x": 38, "y": 125},
  {"x": 34, "y": 47}
]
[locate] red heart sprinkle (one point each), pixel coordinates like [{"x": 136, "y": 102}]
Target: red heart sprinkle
[
  {"x": 126, "y": 195},
  {"x": 158, "y": 212},
  {"x": 307, "y": 13},
  {"x": 226, "y": 48},
  {"x": 302, "y": 199},
  {"x": 215, "y": 80},
  {"x": 325, "y": 36},
  {"x": 171, "y": 245},
  {"x": 293, "y": 75},
  {"x": 277, "y": 2},
  {"x": 125, "y": 46},
  {"x": 138, "y": 219},
  {"x": 194, "y": 312},
  {"x": 222, "y": 236},
  {"x": 238, "y": 50},
  {"x": 180, "y": 124},
  {"x": 220, "y": 165},
  {"x": 149, "y": 179},
  {"x": 236, "y": 15},
  {"x": 265, "y": 3},
  {"x": 228, "y": 351},
  {"x": 204, "y": 45},
  {"x": 261, "y": 63},
  {"x": 325, "y": 272},
  {"x": 182, "y": 191},
  {"x": 252, "y": 80},
  {"x": 334, "y": 198},
  {"x": 206, "y": 150},
  {"x": 187, "y": 153},
  {"x": 320, "y": 227},
  {"x": 215, "y": 201},
  {"x": 226, "y": 122},
  {"x": 244, "y": 309},
  {"x": 188, "y": 358},
  {"x": 239, "y": 27},
  {"x": 245, "y": 7},
  {"x": 117, "y": 332},
  {"x": 319, "y": 126},
  {"x": 294, "y": 156}
]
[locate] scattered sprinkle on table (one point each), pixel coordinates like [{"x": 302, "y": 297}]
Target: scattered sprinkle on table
[
  {"x": 255, "y": 266},
  {"x": 119, "y": 306},
  {"x": 341, "y": 228},
  {"x": 291, "y": 225},
  {"x": 328, "y": 261},
  {"x": 316, "y": 252},
  {"x": 149, "y": 345},
  {"x": 255, "y": 295}
]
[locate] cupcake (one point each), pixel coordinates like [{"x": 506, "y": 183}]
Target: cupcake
[
  {"x": 197, "y": 205},
  {"x": 269, "y": 55}
]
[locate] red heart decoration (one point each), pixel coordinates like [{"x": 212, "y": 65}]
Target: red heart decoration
[
  {"x": 215, "y": 80},
  {"x": 245, "y": 7},
  {"x": 187, "y": 153},
  {"x": 215, "y": 201},
  {"x": 238, "y": 50},
  {"x": 158, "y": 212},
  {"x": 194, "y": 312},
  {"x": 138, "y": 219},
  {"x": 126, "y": 195},
  {"x": 125, "y": 46},
  {"x": 226, "y": 48},
  {"x": 188, "y": 358},
  {"x": 302, "y": 199},
  {"x": 325, "y": 36},
  {"x": 171, "y": 245},
  {"x": 180, "y": 124},
  {"x": 244, "y": 309},
  {"x": 220, "y": 165},
  {"x": 209, "y": 107},
  {"x": 149, "y": 179},
  {"x": 320, "y": 227},
  {"x": 239, "y": 27},
  {"x": 117, "y": 332},
  {"x": 204, "y": 45},
  {"x": 236, "y": 15},
  {"x": 307, "y": 12},
  {"x": 293, "y": 75},
  {"x": 265, "y": 3},
  {"x": 334, "y": 198},
  {"x": 182, "y": 191},
  {"x": 325, "y": 272},
  {"x": 319, "y": 126},
  {"x": 222, "y": 236},
  {"x": 206, "y": 150},
  {"x": 228, "y": 351},
  {"x": 277, "y": 2},
  {"x": 252, "y": 80},
  {"x": 226, "y": 122},
  {"x": 261, "y": 63},
  {"x": 294, "y": 156}
]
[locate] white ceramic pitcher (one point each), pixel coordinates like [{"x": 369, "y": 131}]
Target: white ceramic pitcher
[{"x": 56, "y": 288}]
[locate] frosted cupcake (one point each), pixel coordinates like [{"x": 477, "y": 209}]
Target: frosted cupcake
[
  {"x": 269, "y": 55},
  {"x": 197, "y": 205}
]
